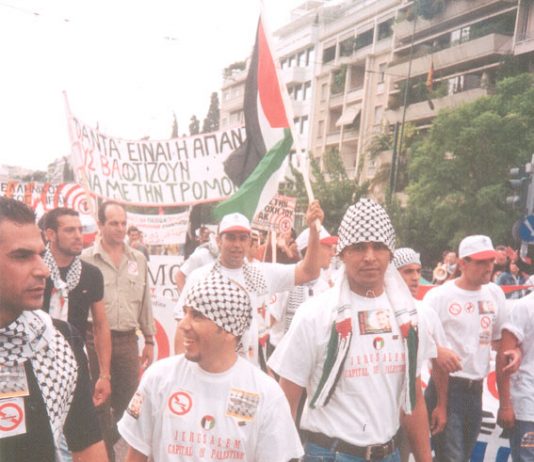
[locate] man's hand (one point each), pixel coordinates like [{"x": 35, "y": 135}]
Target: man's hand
[
  {"x": 147, "y": 356},
  {"x": 438, "y": 420},
  {"x": 102, "y": 391},
  {"x": 506, "y": 416},
  {"x": 513, "y": 360},
  {"x": 314, "y": 212},
  {"x": 448, "y": 360}
]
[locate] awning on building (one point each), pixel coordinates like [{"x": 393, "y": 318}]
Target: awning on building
[{"x": 349, "y": 114}]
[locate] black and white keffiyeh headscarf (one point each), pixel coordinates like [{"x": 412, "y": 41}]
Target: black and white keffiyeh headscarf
[
  {"x": 405, "y": 256},
  {"x": 223, "y": 301},
  {"x": 367, "y": 221},
  {"x": 60, "y": 310},
  {"x": 32, "y": 337}
]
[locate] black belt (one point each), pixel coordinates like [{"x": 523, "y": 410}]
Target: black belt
[
  {"x": 371, "y": 452},
  {"x": 467, "y": 383}
]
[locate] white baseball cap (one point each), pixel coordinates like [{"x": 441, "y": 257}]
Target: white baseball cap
[
  {"x": 477, "y": 247},
  {"x": 324, "y": 238},
  {"x": 234, "y": 223}
]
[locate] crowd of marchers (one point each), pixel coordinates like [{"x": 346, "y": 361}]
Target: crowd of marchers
[{"x": 303, "y": 347}]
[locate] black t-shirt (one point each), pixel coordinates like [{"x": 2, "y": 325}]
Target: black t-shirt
[
  {"x": 81, "y": 427},
  {"x": 90, "y": 289}
]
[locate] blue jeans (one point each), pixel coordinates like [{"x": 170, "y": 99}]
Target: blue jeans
[
  {"x": 314, "y": 453},
  {"x": 464, "y": 416},
  {"x": 522, "y": 441}
]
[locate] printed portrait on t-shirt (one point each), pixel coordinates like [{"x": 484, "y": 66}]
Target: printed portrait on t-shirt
[{"x": 374, "y": 322}]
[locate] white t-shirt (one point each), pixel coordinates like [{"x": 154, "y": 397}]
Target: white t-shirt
[
  {"x": 471, "y": 320},
  {"x": 183, "y": 413},
  {"x": 200, "y": 257},
  {"x": 521, "y": 324},
  {"x": 365, "y": 406},
  {"x": 278, "y": 278},
  {"x": 283, "y": 314},
  {"x": 430, "y": 329}
]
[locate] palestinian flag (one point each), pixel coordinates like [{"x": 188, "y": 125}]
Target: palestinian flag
[{"x": 256, "y": 167}]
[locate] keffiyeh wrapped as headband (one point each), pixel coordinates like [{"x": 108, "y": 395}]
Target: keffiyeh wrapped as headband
[
  {"x": 367, "y": 221},
  {"x": 223, "y": 301}
]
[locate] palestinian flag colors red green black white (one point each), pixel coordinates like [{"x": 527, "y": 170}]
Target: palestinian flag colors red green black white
[{"x": 256, "y": 167}]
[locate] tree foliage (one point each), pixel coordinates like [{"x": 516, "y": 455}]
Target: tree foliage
[
  {"x": 194, "y": 126},
  {"x": 458, "y": 173},
  {"x": 211, "y": 122},
  {"x": 331, "y": 186}
]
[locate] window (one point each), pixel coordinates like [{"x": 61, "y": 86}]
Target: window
[
  {"x": 324, "y": 91},
  {"x": 460, "y": 35},
  {"x": 290, "y": 61},
  {"x": 346, "y": 47},
  {"x": 385, "y": 29},
  {"x": 306, "y": 93},
  {"x": 329, "y": 54},
  {"x": 382, "y": 72},
  {"x": 283, "y": 63},
  {"x": 298, "y": 92},
  {"x": 304, "y": 123},
  {"x": 320, "y": 129},
  {"x": 364, "y": 39},
  {"x": 309, "y": 56},
  {"x": 301, "y": 59}
]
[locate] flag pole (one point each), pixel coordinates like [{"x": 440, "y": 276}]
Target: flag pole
[{"x": 77, "y": 160}]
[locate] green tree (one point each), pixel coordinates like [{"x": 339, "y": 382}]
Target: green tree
[
  {"x": 194, "y": 126},
  {"x": 458, "y": 172},
  {"x": 211, "y": 122},
  {"x": 174, "y": 133},
  {"x": 331, "y": 186}
]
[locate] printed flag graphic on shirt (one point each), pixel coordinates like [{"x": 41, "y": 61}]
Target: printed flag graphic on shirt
[{"x": 256, "y": 167}]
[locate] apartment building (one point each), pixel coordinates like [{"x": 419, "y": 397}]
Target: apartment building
[{"x": 356, "y": 40}]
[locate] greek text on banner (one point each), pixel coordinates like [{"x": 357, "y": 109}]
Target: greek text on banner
[{"x": 176, "y": 171}]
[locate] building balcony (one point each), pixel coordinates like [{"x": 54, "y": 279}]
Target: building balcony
[
  {"x": 477, "y": 49},
  {"x": 453, "y": 13},
  {"x": 351, "y": 135},
  {"x": 355, "y": 95},
  {"x": 296, "y": 74},
  {"x": 524, "y": 45},
  {"x": 422, "y": 110},
  {"x": 336, "y": 100},
  {"x": 333, "y": 137},
  {"x": 300, "y": 108},
  {"x": 232, "y": 104}
]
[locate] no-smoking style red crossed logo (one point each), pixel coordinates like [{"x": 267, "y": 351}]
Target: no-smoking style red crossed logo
[
  {"x": 485, "y": 322},
  {"x": 180, "y": 403},
  {"x": 10, "y": 416},
  {"x": 455, "y": 309}
]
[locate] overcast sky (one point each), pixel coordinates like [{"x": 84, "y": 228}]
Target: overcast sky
[{"x": 127, "y": 65}]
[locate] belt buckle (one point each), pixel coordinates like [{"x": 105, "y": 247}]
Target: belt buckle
[{"x": 377, "y": 451}]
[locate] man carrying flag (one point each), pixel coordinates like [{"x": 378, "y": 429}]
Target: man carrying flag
[{"x": 257, "y": 168}]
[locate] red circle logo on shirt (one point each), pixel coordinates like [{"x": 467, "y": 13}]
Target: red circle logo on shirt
[
  {"x": 180, "y": 403},
  {"x": 455, "y": 309},
  {"x": 10, "y": 416},
  {"x": 469, "y": 307},
  {"x": 485, "y": 322}
]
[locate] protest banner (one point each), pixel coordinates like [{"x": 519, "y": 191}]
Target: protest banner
[
  {"x": 178, "y": 171},
  {"x": 162, "y": 271},
  {"x": 42, "y": 197},
  {"x": 278, "y": 215},
  {"x": 161, "y": 229}
]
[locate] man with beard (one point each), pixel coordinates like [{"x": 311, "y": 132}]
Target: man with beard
[
  {"x": 44, "y": 385},
  {"x": 76, "y": 287}
]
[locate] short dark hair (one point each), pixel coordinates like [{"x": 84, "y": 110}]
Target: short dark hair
[
  {"x": 15, "y": 211},
  {"x": 132, "y": 229},
  {"x": 52, "y": 217},
  {"x": 103, "y": 207}
]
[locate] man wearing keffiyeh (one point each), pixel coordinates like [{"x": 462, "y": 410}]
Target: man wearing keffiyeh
[
  {"x": 361, "y": 376},
  {"x": 44, "y": 390}
]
